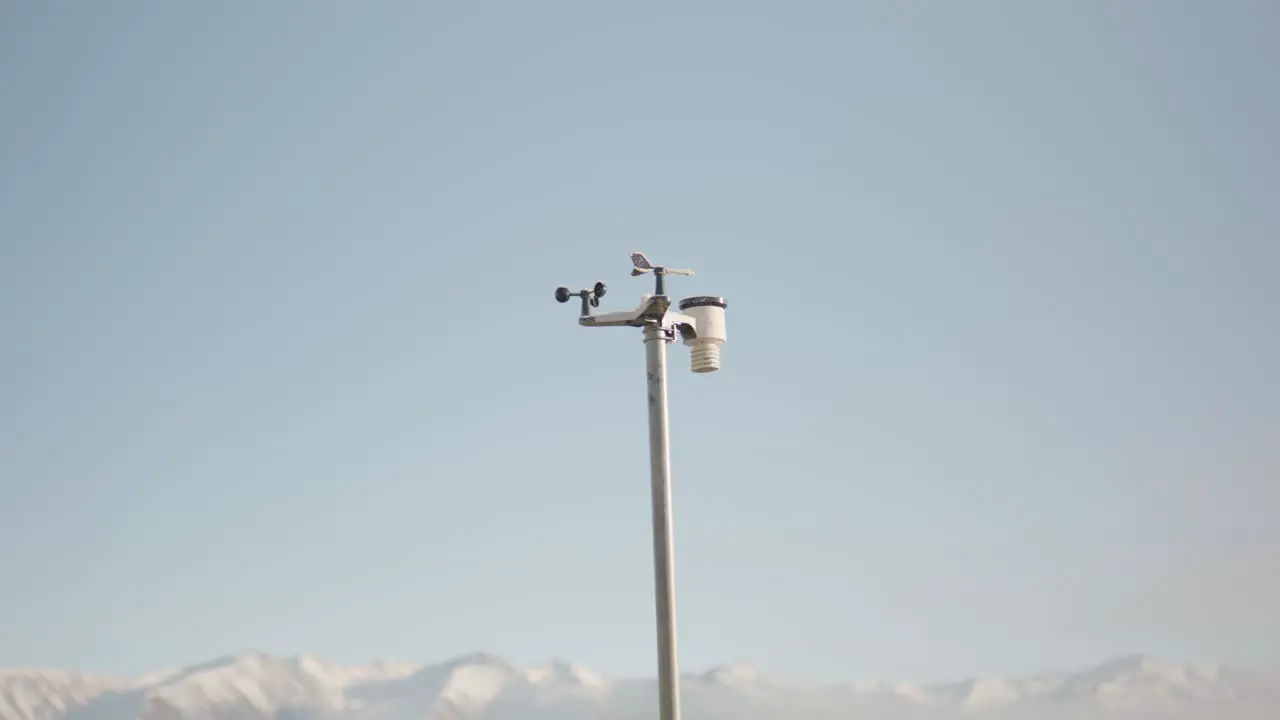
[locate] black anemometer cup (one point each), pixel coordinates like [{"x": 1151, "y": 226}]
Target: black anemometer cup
[{"x": 590, "y": 297}]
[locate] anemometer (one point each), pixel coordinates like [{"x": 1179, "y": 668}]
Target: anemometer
[{"x": 699, "y": 322}]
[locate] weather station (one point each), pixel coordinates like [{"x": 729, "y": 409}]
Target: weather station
[{"x": 700, "y": 323}]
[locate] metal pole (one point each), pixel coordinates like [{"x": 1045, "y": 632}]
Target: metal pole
[{"x": 664, "y": 574}]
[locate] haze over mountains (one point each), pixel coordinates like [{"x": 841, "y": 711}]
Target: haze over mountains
[{"x": 482, "y": 686}]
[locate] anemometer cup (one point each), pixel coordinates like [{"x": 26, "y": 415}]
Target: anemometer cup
[{"x": 590, "y": 297}]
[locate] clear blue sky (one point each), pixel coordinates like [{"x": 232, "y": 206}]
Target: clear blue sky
[{"x": 281, "y": 368}]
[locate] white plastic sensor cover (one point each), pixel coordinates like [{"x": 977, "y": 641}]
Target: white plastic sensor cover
[{"x": 707, "y": 312}]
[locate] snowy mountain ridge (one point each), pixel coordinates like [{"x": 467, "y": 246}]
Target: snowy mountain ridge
[{"x": 481, "y": 686}]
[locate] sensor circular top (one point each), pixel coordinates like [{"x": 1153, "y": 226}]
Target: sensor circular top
[
  {"x": 562, "y": 294},
  {"x": 599, "y": 289}
]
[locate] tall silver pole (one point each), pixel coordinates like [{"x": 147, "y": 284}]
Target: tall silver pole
[{"x": 664, "y": 572}]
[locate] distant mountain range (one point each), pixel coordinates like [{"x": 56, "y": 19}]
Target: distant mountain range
[{"x": 484, "y": 687}]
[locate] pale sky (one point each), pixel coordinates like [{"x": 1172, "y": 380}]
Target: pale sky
[{"x": 282, "y": 370}]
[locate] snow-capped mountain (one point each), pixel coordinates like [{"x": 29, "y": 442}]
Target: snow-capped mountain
[{"x": 481, "y": 686}]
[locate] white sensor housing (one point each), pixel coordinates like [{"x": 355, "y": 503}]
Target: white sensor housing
[{"x": 709, "y": 325}]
